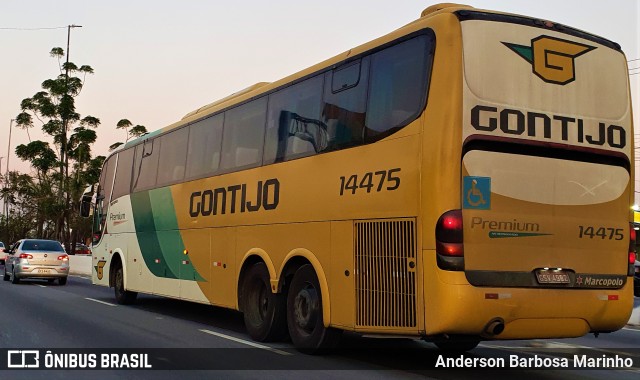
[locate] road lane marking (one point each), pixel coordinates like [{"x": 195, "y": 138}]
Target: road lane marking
[
  {"x": 248, "y": 343},
  {"x": 102, "y": 302},
  {"x": 630, "y": 329},
  {"x": 42, "y": 286}
]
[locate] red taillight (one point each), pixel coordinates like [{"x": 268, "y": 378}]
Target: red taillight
[
  {"x": 632, "y": 244},
  {"x": 63, "y": 258},
  {"x": 450, "y": 249},
  {"x": 632, "y": 249},
  {"x": 26, "y": 256},
  {"x": 449, "y": 234}
]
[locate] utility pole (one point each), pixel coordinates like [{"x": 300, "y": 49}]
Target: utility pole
[
  {"x": 65, "y": 121},
  {"x": 64, "y": 159},
  {"x": 6, "y": 182}
]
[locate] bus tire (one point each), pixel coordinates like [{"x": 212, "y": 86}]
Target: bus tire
[
  {"x": 304, "y": 314},
  {"x": 123, "y": 296},
  {"x": 265, "y": 314}
]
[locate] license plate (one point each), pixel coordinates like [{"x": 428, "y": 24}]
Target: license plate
[
  {"x": 44, "y": 270},
  {"x": 552, "y": 277}
]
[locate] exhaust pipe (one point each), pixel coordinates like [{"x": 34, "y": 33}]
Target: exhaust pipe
[{"x": 494, "y": 327}]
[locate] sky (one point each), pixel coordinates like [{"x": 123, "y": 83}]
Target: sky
[{"x": 155, "y": 61}]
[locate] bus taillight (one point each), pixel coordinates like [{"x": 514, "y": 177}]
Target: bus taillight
[
  {"x": 632, "y": 250},
  {"x": 449, "y": 243}
]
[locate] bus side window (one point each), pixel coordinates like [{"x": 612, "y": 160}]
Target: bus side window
[
  {"x": 205, "y": 143},
  {"x": 145, "y": 165},
  {"x": 173, "y": 154},
  {"x": 344, "y": 107},
  {"x": 398, "y": 86},
  {"x": 294, "y": 128},
  {"x": 243, "y": 136},
  {"x": 122, "y": 183},
  {"x": 104, "y": 195}
]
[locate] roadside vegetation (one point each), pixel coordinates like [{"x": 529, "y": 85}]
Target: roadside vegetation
[{"x": 43, "y": 203}]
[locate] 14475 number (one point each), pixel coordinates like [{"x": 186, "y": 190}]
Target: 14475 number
[
  {"x": 378, "y": 181},
  {"x": 601, "y": 232}
]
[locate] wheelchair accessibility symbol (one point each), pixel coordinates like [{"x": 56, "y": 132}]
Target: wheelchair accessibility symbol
[{"x": 476, "y": 193}]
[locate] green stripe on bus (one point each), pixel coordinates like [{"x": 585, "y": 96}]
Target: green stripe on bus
[
  {"x": 147, "y": 236},
  {"x": 160, "y": 240}
]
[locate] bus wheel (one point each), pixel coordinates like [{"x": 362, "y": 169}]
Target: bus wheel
[
  {"x": 264, "y": 312},
  {"x": 123, "y": 297},
  {"x": 457, "y": 344},
  {"x": 304, "y": 314}
]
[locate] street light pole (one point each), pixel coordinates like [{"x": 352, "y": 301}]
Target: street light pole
[
  {"x": 9, "y": 145},
  {"x": 64, "y": 159},
  {"x": 6, "y": 182},
  {"x": 65, "y": 122}
]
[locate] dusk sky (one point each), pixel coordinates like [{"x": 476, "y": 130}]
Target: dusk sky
[{"x": 155, "y": 61}]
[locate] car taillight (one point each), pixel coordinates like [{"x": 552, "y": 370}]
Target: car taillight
[
  {"x": 63, "y": 258},
  {"x": 449, "y": 242},
  {"x": 26, "y": 256}
]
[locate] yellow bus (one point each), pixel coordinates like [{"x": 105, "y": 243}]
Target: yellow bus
[{"x": 466, "y": 177}]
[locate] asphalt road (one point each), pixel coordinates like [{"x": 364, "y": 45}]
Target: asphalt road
[{"x": 82, "y": 318}]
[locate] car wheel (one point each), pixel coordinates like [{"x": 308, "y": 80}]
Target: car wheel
[
  {"x": 123, "y": 297},
  {"x": 62, "y": 281},
  {"x": 6, "y": 275},
  {"x": 304, "y": 314},
  {"x": 265, "y": 312},
  {"x": 14, "y": 279}
]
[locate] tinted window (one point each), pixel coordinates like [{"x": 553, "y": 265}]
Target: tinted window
[
  {"x": 343, "y": 112},
  {"x": 173, "y": 155},
  {"x": 42, "y": 245},
  {"x": 122, "y": 184},
  {"x": 294, "y": 128},
  {"x": 106, "y": 179},
  {"x": 205, "y": 142},
  {"x": 345, "y": 77},
  {"x": 145, "y": 166},
  {"x": 243, "y": 135},
  {"x": 104, "y": 196},
  {"x": 398, "y": 86}
]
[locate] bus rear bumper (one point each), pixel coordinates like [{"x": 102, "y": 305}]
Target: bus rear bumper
[{"x": 456, "y": 307}]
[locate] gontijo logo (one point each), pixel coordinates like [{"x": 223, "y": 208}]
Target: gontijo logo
[{"x": 552, "y": 58}]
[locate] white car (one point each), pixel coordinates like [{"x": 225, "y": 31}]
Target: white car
[{"x": 37, "y": 258}]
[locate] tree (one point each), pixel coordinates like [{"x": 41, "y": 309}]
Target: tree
[
  {"x": 132, "y": 133},
  {"x": 54, "y": 107}
]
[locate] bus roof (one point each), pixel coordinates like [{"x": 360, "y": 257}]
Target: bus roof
[{"x": 462, "y": 12}]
